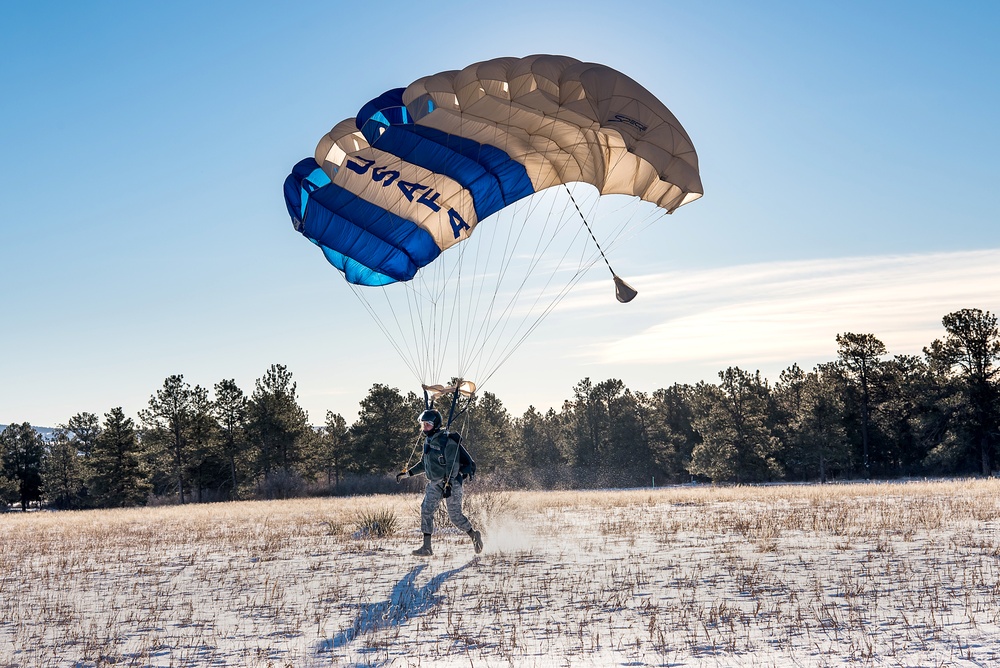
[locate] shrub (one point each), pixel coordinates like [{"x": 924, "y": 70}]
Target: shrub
[
  {"x": 281, "y": 484},
  {"x": 377, "y": 523}
]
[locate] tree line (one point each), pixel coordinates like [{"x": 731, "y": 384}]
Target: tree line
[{"x": 866, "y": 414}]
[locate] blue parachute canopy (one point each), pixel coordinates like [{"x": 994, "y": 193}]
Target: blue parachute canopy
[{"x": 420, "y": 167}]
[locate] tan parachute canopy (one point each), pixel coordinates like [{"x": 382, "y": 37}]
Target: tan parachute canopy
[{"x": 438, "y": 201}]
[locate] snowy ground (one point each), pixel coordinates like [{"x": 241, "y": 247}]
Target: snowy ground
[{"x": 858, "y": 575}]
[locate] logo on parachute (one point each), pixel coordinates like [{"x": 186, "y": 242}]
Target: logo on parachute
[
  {"x": 622, "y": 118},
  {"x": 424, "y": 195}
]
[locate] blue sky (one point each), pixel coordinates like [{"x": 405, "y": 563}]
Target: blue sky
[{"x": 848, "y": 152}]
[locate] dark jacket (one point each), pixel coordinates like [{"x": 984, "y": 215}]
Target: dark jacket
[{"x": 440, "y": 460}]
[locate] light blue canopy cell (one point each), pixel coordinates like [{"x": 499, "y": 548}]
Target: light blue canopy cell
[{"x": 420, "y": 167}]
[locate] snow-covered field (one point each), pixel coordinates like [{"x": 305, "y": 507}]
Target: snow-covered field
[{"x": 837, "y": 575}]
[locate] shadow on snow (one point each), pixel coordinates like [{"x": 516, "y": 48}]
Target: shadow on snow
[{"x": 405, "y": 602}]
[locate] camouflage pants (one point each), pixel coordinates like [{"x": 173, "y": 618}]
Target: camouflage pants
[{"x": 433, "y": 494}]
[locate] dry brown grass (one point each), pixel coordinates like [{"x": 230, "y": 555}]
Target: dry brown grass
[{"x": 900, "y": 574}]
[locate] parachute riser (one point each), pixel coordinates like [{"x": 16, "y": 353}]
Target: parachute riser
[
  {"x": 451, "y": 409},
  {"x": 452, "y": 416}
]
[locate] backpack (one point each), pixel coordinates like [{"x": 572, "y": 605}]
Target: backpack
[{"x": 466, "y": 464}]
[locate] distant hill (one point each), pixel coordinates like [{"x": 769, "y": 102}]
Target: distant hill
[{"x": 46, "y": 432}]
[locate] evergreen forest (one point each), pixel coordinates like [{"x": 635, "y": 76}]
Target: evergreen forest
[{"x": 867, "y": 414}]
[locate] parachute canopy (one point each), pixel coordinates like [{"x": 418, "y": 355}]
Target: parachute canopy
[
  {"x": 421, "y": 167},
  {"x": 438, "y": 202}
]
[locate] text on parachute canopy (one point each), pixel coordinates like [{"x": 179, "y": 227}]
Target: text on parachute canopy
[{"x": 427, "y": 195}]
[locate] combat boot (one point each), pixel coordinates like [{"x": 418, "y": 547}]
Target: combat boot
[
  {"x": 425, "y": 549},
  {"x": 477, "y": 540}
]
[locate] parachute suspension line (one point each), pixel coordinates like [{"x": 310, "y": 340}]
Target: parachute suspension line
[
  {"x": 493, "y": 329},
  {"x": 498, "y": 356},
  {"x": 411, "y": 336},
  {"x": 428, "y": 314},
  {"x": 359, "y": 293},
  {"x": 514, "y": 345},
  {"x": 412, "y": 333},
  {"x": 474, "y": 265},
  {"x": 585, "y": 263},
  {"x": 632, "y": 224},
  {"x": 447, "y": 317},
  {"x": 437, "y": 338},
  {"x": 408, "y": 337},
  {"x": 489, "y": 262},
  {"x": 623, "y": 291},
  {"x": 452, "y": 315},
  {"x": 465, "y": 420},
  {"x": 411, "y": 328},
  {"x": 490, "y": 328},
  {"x": 551, "y": 232},
  {"x": 481, "y": 311},
  {"x": 474, "y": 287},
  {"x": 481, "y": 268},
  {"x": 432, "y": 314}
]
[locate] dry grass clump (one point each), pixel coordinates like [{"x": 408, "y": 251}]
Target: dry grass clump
[
  {"x": 377, "y": 523},
  {"x": 847, "y": 575}
]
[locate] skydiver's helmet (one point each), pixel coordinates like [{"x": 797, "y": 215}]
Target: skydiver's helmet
[{"x": 430, "y": 421}]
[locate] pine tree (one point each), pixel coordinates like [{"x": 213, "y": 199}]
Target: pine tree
[
  {"x": 230, "y": 412},
  {"x": 385, "y": 431},
  {"x": 84, "y": 429},
  {"x": 811, "y": 422},
  {"x": 970, "y": 351},
  {"x": 733, "y": 420},
  {"x": 537, "y": 440},
  {"x": 276, "y": 424},
  {"x": 23, "y": 449},
  {"x": 167, "y": 423},
  {"x": 486, "y": 430},
  {"x": 906, "y": 410},
  {"x": 118, "y": 478},
  {"x": 334, "y": 453},
  {"x": 206, "y": 467},
  {"x": 672, "y": 436},
  {"x": 62, "y": 472},
  {"x": 861, "y": 355}
]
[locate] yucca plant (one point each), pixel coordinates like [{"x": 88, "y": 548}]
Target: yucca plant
[{"x": 377, "y": 523}]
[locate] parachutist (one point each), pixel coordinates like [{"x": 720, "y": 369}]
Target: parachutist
[{"x": 442, "y": 465}]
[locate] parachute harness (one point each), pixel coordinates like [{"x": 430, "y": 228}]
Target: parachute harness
[{"x": 431, "y": 392}]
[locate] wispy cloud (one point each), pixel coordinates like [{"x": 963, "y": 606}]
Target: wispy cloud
[{"x": 791, "y": 311}]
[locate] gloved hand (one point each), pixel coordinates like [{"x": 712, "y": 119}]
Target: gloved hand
[
  {"x": 401, "y": 475},
  {"x": 447, "y": 489}
]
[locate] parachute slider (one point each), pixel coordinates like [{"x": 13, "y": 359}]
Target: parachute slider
[{"x": 464, "y": 387}]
